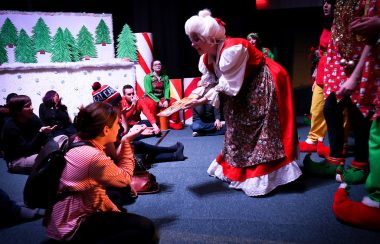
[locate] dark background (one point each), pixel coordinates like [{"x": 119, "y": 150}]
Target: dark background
[
  {"x": 165, "y": 20},
  {"x": 289, "y": 32}
]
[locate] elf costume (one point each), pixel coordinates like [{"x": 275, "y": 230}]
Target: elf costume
[
  {"x": 345, "y": 49},
  {"x": 366, "y": 214},
  {"x": 157, "y": 88}
]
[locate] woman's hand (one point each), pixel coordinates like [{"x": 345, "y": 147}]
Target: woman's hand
[
  {"x": 218, "y": 124},
  {"x": 47, "y": 129},
  {"x": 348, "y": 87},
  {"x": 148, "y": 131},
  {"x": 133, "y": 132}
]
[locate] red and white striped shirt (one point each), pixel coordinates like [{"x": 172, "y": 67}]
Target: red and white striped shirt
[{"x": 88, "y": 172}]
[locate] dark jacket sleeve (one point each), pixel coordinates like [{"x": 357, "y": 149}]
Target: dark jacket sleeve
[{"x": 23, "y": 140}]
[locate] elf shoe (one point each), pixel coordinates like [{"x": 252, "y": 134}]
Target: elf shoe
[
  {"x": 176, "y": 126},
  {"x": 307, "y": 147},
  {"x": 365, "y": 214},
  {"x": 356, "y": 174},
  {"x": 326, "y": 168},
  {"x": 322, "y": 150}
]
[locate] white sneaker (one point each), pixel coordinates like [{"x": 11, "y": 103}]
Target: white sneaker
[{"x": 195, "y": 134}]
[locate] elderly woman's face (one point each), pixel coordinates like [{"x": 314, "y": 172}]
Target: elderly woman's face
[{"x": 200, "y": 44}]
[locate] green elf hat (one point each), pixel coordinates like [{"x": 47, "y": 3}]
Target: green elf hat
[{"x": 254, "y": 35}]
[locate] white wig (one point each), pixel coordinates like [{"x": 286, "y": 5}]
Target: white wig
[{"x": 206, "y": 26}]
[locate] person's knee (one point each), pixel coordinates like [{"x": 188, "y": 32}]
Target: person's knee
[{"x": 195, "y": 126}]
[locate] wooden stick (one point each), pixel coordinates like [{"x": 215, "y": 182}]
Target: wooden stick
[{"x": 164, "y": 134}]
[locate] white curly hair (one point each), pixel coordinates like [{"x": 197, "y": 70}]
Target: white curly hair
[{"x": 206, "y": 27}]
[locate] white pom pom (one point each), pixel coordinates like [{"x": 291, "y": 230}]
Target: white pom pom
[
  {"x": 343, "y": 185},
  {"x": 204, "y": 13}
]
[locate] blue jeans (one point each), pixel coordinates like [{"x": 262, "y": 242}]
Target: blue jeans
[{"x": 208, "y": 129}]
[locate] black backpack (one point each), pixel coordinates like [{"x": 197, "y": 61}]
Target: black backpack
[{"x": 41, "y": 187}]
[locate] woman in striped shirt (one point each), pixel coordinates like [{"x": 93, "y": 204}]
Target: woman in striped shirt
[{"x": 88, "y": 215}]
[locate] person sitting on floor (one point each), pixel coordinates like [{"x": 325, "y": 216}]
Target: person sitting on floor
[
  {"x": 4, "y": 116},
  {"x": 88, "y": 215},
  {"x": 132, "y": 107},
  {"x": 24, "y": 134},
  {"x": 53, "y": 112},
  {"x": 207, "y": 121}
]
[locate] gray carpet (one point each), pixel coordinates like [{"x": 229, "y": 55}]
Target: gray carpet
[{"x": 193, "y": 207}]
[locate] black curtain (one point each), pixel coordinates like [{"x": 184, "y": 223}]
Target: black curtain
[{"x": 166, "y": 19}]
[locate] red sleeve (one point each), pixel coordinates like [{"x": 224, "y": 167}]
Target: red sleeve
[{"x": 129, "y": 113}]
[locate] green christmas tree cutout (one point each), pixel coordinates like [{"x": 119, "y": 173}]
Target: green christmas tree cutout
[
  {"x": 102, "y": 34},
  {"x": 41, "y": 37},
  {"x": 86, "y": 44},
  {"x": 25, "y": 52},
  {"x": 3, "y": 51},
  {"x": 60, "y": 49},
  {"x": 9, "y": 33},
  {"x": 126, "y": 46},
  {"x": 72, "y": 45}
]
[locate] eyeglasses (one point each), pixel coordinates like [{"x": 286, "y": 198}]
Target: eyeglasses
[{"x": 156, "y": 64}]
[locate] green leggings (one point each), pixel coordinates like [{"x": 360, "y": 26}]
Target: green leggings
[{"x": 373, "y": 180}]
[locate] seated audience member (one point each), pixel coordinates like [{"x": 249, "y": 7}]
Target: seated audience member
[
  {"x": 13, "y": 213},
  {"x": 88, "y": 215},
  {"x": 4, "y": 116},
  {"x": 206, "y": 121},
  {"x": 132, "y": 107},
  {"x": 4, "y": 110},
  {"x": 53, "y": 112},
  {"x": 152, "y": 153},
  {"x": 24, "y": 135},
  {"x": 157, "y": 94}
]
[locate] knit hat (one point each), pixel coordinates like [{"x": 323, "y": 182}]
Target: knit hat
[{"x": 105, "y": 93}]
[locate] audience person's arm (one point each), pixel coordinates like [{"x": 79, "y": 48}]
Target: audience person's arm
[{"x": 15, "y": 138}]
